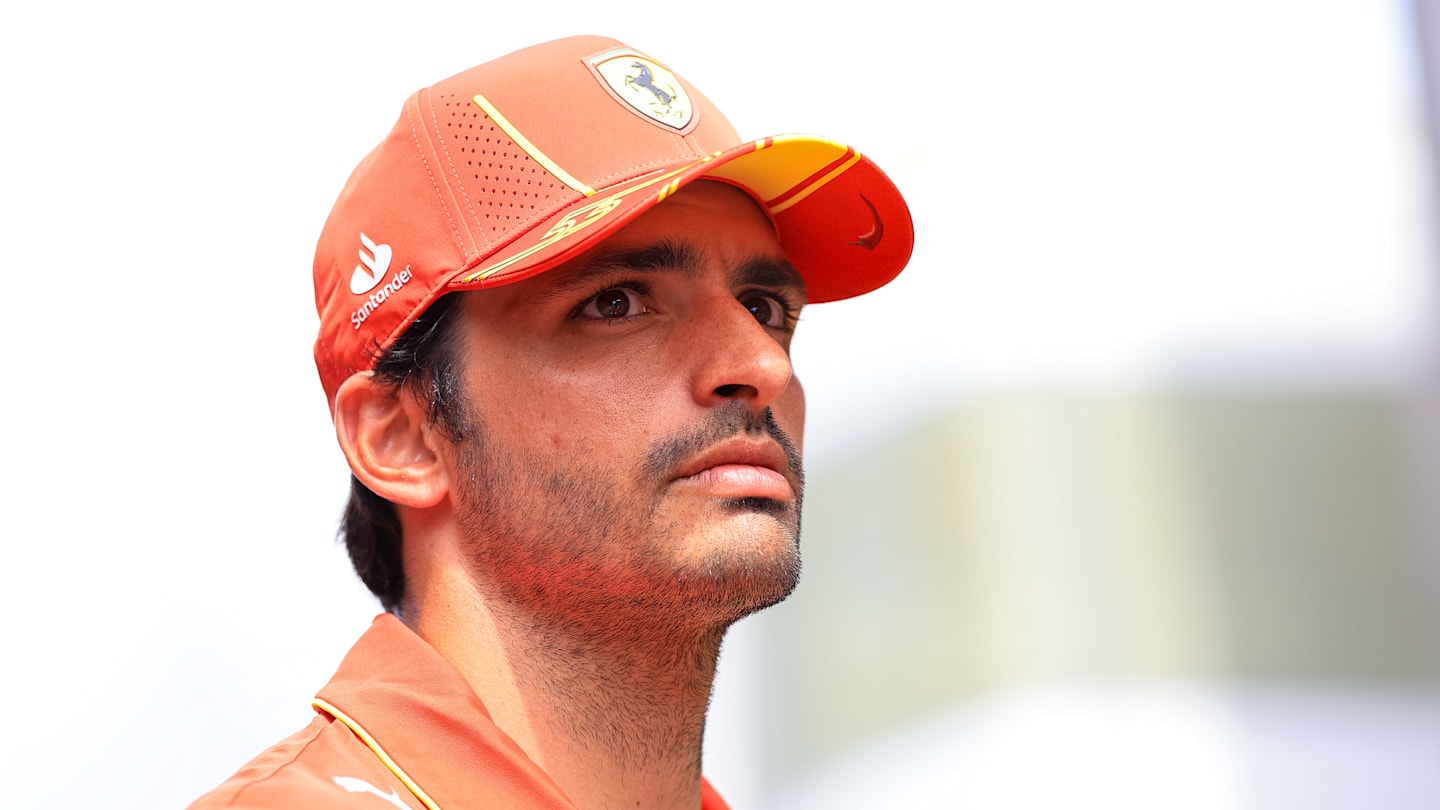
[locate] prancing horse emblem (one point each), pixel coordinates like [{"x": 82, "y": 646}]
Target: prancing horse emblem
[
  {"x": 647, "y": 81},
  {"x": 646, "y": 87}
]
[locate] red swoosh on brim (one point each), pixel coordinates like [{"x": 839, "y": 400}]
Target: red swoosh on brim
[{"x": 871, "y": 238}]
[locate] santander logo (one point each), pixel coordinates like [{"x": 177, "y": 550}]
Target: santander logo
[
  {"x": 374, "y": 257},
  {"x": 374, "y": 264}
]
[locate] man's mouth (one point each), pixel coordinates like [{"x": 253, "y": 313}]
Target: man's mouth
[{"x": 743, "y": 467}]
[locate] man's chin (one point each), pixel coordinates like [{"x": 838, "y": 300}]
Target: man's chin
[{"x": 747, "y": 570}]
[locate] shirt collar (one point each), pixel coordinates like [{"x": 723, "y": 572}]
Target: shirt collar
[{"x": 420, "y": 717}]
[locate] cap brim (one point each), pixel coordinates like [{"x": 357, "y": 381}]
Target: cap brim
[{"x": 842, "y": 222}]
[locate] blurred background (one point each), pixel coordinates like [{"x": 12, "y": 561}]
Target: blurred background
[{"x": 1123, "y": 496}]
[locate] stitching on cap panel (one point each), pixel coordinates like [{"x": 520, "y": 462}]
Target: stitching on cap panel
[
  {"x": 631, "y": 171},
  {"x": 682, "y": 146},
  {"x": 683, "y": 151},
  {"x": 445, "y": 150},
  {"x": 439, "y": 195}
]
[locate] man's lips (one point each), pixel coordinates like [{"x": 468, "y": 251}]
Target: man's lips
[{"x": 739, "y": 468}]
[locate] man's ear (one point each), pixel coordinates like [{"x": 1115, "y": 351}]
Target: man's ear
[{"x": 389, "y": 443}]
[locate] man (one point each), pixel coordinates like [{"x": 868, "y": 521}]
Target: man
[{"x": 560, "y": 373}]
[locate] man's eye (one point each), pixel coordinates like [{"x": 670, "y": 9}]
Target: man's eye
[
  {"x": 768, "y": 310},
  {"x": 612, "y": 304}
]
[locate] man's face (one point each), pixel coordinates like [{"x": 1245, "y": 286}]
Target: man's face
[{"x": 636, "y": 426}]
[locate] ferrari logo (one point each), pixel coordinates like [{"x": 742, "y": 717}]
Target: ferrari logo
[{"x": 648, "y": 87}]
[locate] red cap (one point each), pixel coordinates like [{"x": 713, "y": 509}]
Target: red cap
[{"x": 511, "y": 167}]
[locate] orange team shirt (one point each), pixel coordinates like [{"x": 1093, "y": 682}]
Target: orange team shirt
[{"x": 397, "y": 723}]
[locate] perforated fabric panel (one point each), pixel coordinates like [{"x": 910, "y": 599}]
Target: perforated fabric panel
[{"x": 502, "y": 184}]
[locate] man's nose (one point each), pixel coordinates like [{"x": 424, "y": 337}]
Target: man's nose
[{"x": 738, "y": 358}]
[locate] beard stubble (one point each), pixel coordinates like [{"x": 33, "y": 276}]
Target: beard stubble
[{"x": 576, "y": 545}]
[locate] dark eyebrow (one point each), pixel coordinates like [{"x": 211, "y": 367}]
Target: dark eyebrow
[
  {"x": 767, "y": 272},
  {"x": 669, "y": 254},
  {"x": 673, "y": 255}
]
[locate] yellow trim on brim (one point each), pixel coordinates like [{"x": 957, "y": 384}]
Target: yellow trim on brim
[
  {"x": 776, "y": 169},
  {"x": 530, "y": 149},
  {"x": 375, "y": 748},
  {"x": 816, "y": 186}
]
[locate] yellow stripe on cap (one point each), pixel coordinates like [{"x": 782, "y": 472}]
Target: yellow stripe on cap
[
  {"x": 530, "y": 149},
  {"x": 817, "y": 185},
  {"x": 375, "y": 748},
  {"x": 777, "y": 168}
]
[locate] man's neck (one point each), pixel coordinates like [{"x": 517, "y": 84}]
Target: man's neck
[{"x": 615, "y": 715}]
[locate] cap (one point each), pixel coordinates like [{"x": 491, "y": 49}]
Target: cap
[{"x": 507, "y": 169}]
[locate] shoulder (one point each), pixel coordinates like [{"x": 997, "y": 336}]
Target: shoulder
[{"x": 321, "y": 766}]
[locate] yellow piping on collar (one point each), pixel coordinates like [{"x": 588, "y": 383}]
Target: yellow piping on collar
[{"x": 375, "y": 748}]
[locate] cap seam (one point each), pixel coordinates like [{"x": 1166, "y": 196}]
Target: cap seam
[
  {"x": 682, "y": 144},
  {"x": 435, "y": 185},
  {"x": 479, "y": 240},
  {"x": 601, "y": 184}
]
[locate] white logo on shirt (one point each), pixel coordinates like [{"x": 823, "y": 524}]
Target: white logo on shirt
[{"x": 355, "y": 785}]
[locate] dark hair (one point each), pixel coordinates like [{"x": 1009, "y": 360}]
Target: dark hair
[{"x": 423, "y": 362}]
